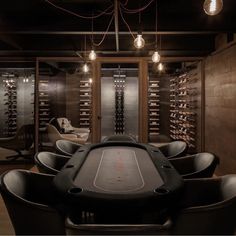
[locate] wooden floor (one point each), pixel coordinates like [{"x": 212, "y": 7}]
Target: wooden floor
[{"x": 5, "y": 222}]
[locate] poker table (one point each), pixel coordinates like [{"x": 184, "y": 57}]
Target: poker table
[{"x": 116, "y": 175}]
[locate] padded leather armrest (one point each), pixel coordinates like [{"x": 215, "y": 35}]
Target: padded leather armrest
[{"x": 118, "y": 228}]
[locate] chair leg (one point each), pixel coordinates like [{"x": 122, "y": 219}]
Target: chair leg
[
  {"x": 14, "y": 157},
  {"x": 18, "y": 155}
]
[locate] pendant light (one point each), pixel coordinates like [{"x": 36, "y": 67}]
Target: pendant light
[
  {"x": 92, "y": 54},
  {"x": 156, "y": 56},
  {"x": 85, "y": 68},
  {"x": 160, "y": 66},
  {"x": 139, "y": 42},
  {"x": 213, "y": 7}
]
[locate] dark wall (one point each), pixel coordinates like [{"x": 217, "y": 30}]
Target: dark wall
[
  {"x": 164, "y": 104},
  {"x": 56, "y": 90},
  {"x": 72, "y": 97},
  {"x": 220, "y": 119}
]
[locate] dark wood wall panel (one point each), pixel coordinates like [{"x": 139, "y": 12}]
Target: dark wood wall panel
[
  {"x": 72, "y": 97},
  {"x": 57, "y": 85},
  {"x": 220, "y": 118}
]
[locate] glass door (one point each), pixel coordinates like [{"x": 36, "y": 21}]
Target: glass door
[{"x": 119, "y": 99}]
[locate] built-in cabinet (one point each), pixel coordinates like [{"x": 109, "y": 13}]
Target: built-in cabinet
[
  {"x": 153, "y": 108},
  {"x": 16, "y": 100},
  {"x": 44, "y": 102},
  {"x": 85, "y": 102}
]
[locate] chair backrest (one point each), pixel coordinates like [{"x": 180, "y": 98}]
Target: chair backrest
[
  {"x": 210, "y": 207},
  {"x": 201, "y": 165},
  {"x": 29, "y": 199},
  {"x": 50, "y": 163},
  {"x": 66, "y": 147},
  {"x": 24, "y": 137},
  {"x": 53, "y": 133},
  {"x": 174, "y": 149},
  {"x": 119, "y": 138}
]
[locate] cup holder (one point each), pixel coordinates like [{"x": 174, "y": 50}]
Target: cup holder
[
  {"x": 69, "y": 166},
  {"x": 166, "y": 167},
  {"x": 161, "y": 190},
  {"x": 75, "y": 190}
]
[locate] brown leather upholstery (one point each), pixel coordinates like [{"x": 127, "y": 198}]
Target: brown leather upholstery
[
  {"x": 201, "y": 165},
  {"x": 29, "y": 199}
]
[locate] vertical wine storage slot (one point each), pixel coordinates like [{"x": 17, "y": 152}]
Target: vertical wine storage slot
[
  {"x": 183, "y": 103},
  {"x": 10, "y": 103},
  {"x": 119, "y": 84},
  {"x": 153, "y": 108}
]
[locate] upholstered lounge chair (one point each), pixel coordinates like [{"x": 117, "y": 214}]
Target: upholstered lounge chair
[
  {"x": 68, "y": 128},
  {"x": 66, "y": 147},
  {"x": 207, "y": 207},
  {"x": 201, "y": 165},
  {"x": 174, "y": 149},
  {"x": 50, "y": 163},
  {"x": 54, "y": 135},
  {"x": 30, "y": 202}
]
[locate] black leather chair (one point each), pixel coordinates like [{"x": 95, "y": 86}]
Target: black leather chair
[
  {"x": 22, "y": 141},
  {"x": 66, "y": 147},
  {"x": 119, "y": 138},
  {"x": 201, "y": 165},
  {"x": 30, "y": 202},
  {"x": 50, "y": 163},
  {"x": 207, "y": 207},
  {"x": 174, "y": 149}
]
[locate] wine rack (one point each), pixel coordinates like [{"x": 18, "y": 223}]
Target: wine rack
[
  {"x": 85, "y": 99},
  {"x": 44, "y": 104},
  {"x": 119, "y": 83},
  {"x": 10, "y": 104},
  {"x": 153, "y": 107},
  {"x": 183, "y": 105}
]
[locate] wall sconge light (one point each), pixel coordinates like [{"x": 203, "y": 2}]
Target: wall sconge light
[
  {"x": 92, "y": 55},
  {"x": 90, "y": 80},
  {"x": 85, "y": 68},
  {"x": 160, "y": 67},
  {"x": 213, "y": 7},
  {"x": 139, "y": 42}
]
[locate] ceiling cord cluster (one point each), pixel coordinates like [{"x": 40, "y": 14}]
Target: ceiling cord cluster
[{"x": 211, "y": 7}]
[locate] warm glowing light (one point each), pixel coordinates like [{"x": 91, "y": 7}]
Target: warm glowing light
[
  {"x": 160, "y": 67},
  {"x": 85, "y": 68},
  {"x": 90, "y": 80},
  {"x": 156, "y": 57},
  {"x": 139, "y": 42},
  {"x": 92, "y": 55},
  {"x": 213, "y": 7}
]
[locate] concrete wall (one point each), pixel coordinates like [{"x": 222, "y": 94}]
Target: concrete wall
[{"x": 220, "y": 117}]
